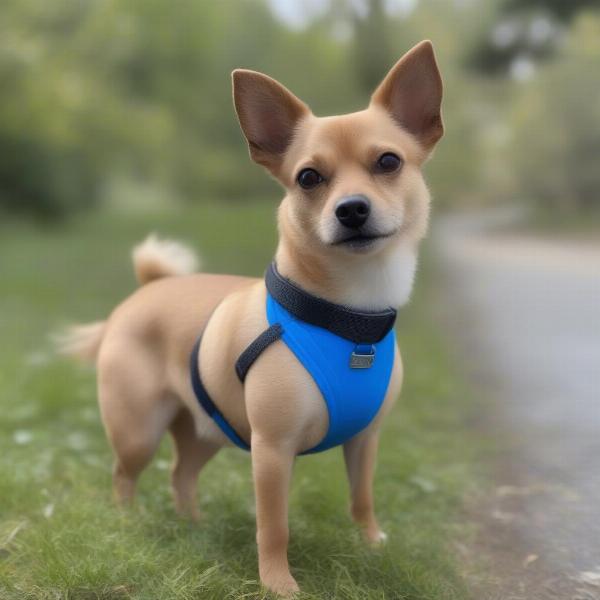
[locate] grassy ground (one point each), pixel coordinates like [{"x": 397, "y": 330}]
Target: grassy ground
[{"x": 60, "y": 536}]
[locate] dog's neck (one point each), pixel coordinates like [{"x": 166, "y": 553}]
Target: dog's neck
[{"x": 377, "y": 282}]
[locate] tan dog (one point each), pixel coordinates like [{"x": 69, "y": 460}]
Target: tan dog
[{"x": 142, "y": 350}]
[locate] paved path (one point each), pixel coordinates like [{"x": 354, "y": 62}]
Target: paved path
[{"x": 526, "y": 313}]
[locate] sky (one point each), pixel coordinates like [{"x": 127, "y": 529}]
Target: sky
[{"x": 297, "y": 13}]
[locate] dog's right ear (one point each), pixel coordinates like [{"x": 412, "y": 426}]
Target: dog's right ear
[{"x": 268, "y": 114}]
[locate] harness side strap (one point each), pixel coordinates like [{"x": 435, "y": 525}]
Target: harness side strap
[
  {"x": 256, "y": 348},
  {"x": 207, "y": 404}
]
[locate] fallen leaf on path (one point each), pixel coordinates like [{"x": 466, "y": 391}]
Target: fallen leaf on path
[
  {"x": 590, "y": 577},
  {"x": 509, "y": 491},
  {"x": 530, "y": 558},
  {"x": 505, "y": 517}
]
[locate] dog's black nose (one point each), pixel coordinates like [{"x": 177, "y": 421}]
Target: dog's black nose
[{"x": 353, "y": 211}]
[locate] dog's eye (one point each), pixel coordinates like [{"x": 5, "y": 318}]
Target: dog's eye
[
  {"x": 388, "y": 162},
  {"x": 309, "y": 178}
]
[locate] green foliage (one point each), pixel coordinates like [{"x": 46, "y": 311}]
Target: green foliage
[
  {"x": 100, "y": 95},
  {"x": 561, "y": 9},
  {"x": 372, "y": 53},
  {"x": 62, "y": 125},
  {"x": 139, "y": 89},
  {"x": 556, "y": 127},
  {"x": 521, "y": 20},
  {"x": 42, "y": 177}
]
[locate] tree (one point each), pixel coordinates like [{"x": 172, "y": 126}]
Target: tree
[
  {"x": 371, "y": 50},
  {"x": 524, "y": 30},
  {"x": 556, "y": 124}
]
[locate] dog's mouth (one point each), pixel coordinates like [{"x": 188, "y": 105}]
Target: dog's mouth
[{"x": 361, "y": 241}]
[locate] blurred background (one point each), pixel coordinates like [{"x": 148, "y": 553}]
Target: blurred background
[
  {"x": 128, "y": 102},
  {"x": 116, "y": 120}
]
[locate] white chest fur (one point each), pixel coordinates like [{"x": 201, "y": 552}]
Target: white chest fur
[{"x": 380, "y": 282}]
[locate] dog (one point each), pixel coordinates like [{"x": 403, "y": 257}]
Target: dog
[{"x": 355, "y": 210}]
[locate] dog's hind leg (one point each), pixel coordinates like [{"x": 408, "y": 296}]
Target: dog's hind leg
[
  {"x": 191, "y": 454},
  {"x": 136, "y": 413}
]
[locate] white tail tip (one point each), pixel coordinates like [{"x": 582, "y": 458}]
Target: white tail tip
[{"x": 155, "y": 258}]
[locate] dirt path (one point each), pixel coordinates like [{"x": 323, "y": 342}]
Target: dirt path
[{"x": 526, "y": 314}]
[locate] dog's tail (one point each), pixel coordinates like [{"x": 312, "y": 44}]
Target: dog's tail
[
  {"x": 152, "y": 259},
  {"x": 81, "y": 341},
  {"x": 155, "y": 258}
]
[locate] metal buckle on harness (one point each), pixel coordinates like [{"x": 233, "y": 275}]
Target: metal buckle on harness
[{"x": 362, "y": 357}]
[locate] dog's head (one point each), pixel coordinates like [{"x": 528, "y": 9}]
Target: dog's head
[{"x": 354, "y": 183}]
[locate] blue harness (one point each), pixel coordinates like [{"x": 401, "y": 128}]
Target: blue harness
[{"x": 349, "y": 354}]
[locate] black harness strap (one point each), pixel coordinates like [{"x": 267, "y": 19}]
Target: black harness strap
[
  {"x": 207, "y": 404},
  {"x": 256, "y": 348},
  {"x": 362, "y": 327}
]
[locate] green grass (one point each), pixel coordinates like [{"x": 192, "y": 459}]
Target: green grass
[{"x": 60, "y": 535}]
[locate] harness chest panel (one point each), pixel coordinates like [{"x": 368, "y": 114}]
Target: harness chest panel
[
  {"x": 349, "y": 354},
  {"x": 353, "y": 395}
]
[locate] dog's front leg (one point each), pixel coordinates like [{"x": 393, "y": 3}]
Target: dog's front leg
[
  {"x": 360, "y": 454},
  {"x": 272, "y": 465}
]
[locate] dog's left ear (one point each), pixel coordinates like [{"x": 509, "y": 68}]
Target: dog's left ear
[
  {"x": 268, "y": 113},
  {"x": 412, "y": 93}
]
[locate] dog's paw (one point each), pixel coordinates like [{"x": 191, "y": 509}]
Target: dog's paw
[
  {"x": 380, "y": 538},
  {"x": 284, "y": 586},
  {"x": 375, "y": 537}
]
